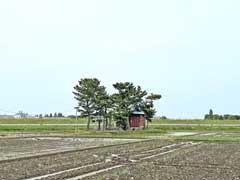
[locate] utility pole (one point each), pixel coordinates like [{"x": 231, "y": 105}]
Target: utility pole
[{"x": 76, "y": 118}]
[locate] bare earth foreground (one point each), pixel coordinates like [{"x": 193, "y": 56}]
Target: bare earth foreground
[{"x": 86, "y": 158}]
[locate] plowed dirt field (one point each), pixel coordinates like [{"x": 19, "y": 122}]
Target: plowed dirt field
[{"x": 110, "y": 159}]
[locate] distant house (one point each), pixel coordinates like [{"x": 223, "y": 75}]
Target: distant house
[
  {"x": 137, "y": 120},
  {"x": 17, "y": 116},
  {"x": 6, "y": 116}
]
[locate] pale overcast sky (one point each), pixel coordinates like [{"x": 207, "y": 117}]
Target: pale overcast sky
[{"x": 187, "y": 50}]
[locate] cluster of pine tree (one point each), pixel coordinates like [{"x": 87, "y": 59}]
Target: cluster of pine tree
[{"x": 94, "y": 101}]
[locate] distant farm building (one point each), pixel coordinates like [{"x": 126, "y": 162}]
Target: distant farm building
[{"x": 137, "y": 120}]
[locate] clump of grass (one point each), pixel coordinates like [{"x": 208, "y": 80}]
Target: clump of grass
[
  {"x": 210, "y": 138},
  {"x": 40, "y": 128},
  {"x": 199, "y": 128},
  {"x": 42, "y": 121},
  {"x": 193, "y": 121}
]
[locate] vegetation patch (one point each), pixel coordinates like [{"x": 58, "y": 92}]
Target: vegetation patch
[
  {"x": 193, "y": 121},
  {"x": 42, "y": 121},
  {"x": 199, "y": 128},
  {"x": 210, "y": 138}
]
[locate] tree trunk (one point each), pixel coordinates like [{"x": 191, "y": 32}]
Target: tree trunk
[
  {"x": 104, "y": 124},
  {"x": 105, "y": 119},
  {"x": 88, "y": 122},
  {"x": 110, "y": 122},
  {"x": 106, "y": 127},
  {"x": 99, "y": 125}
]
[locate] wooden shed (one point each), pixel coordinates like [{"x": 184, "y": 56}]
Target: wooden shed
[{"x": 137, "y": 120}]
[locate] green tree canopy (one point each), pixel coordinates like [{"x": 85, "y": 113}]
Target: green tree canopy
[
  {"x": 125, "y": 99},
  {"x": 94, "y": 101},
  {"x": 103, "y": 106},
  {"x": 88, "y": 93},
  {"x": 148, "y": 106}
]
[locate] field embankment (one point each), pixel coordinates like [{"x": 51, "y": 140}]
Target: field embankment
[{"x": 156, "y": 128}]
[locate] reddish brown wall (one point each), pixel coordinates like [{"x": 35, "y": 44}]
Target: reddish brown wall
[
  {"x": 142, "y": 121},
  {"x": 136, "y": 121}
]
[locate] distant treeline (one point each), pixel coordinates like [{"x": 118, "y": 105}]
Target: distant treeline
[
  {"x": 160, "y": 118},
  {"x": 51, "y": 115},
  {"x": 212, "y": 116}
]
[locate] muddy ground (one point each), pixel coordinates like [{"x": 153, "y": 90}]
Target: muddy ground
[
  {"x": 208, "y": 161},
  {"x": 148, "y": 159},
  {"x": 24, "y": 147}
]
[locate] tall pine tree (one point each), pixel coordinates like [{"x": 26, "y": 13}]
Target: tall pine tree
[{"x": 87, "y": 92}]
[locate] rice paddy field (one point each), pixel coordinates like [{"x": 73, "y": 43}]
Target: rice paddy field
[
  {"x": 160, "y": 152},
  {"x": 51, "y": 158},
  {"x": 83, "y": 121},
  {"x": 71, "y": 125}
]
